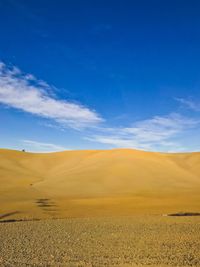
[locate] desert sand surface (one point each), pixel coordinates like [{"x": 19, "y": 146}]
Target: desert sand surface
[
  {"x": 142, "y": 241},
  {"x": 99, "y": 208},
  {"x": 97, "y": 183}
]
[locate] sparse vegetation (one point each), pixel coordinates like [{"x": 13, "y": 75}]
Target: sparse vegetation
[
  {"x": 184, "y": 214},
  {"x": 96, "y": 242}
]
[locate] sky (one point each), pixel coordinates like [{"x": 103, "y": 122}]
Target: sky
[{"x": 100, "y": 75}]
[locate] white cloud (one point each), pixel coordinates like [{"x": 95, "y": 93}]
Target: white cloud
[
  {"x": 25, "y": 92},
  {"x": 35, "y": 146},
  {"x": 157, "y": 133},
  {"x": 190, "y": 104}
]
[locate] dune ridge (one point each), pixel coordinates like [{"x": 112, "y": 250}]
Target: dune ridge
[{"x": 98, "y": 183}]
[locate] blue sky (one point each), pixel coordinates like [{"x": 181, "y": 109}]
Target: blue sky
[{"x": 99, "y": 75}]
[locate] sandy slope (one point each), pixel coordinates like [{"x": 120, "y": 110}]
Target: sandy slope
[{"x": 98, "y": 182}]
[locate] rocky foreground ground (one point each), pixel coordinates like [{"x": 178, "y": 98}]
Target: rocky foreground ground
[{"x": 117, "y": 241}]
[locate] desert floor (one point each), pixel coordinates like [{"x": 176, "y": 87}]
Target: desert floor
[{"x": 109, "y": 241}]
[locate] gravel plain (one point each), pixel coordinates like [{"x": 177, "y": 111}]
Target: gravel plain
[{"x": 114, "y": 241}]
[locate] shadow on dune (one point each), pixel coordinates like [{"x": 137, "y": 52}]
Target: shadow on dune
[
  {"x": 5, "y": 215},
  {"x": 184, "y": 214},
  {"x": 2, "y": 216},
  {"x": 18, "y": 220}
]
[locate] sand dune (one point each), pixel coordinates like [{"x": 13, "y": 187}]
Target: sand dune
[{"x": 98, "y": 182}]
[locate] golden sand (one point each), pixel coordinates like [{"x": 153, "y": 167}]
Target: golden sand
[{"x": 97, "y": 183}]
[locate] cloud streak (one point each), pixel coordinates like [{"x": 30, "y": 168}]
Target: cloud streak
[
  {"x": 26, "y": 93},
  {"x": 156, "y": 133},
  {"x": 195, "y": 106},
  {"x": 36, "y": 146}
]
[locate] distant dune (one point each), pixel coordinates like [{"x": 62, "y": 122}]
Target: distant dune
[{"x": 97, "y": 183}]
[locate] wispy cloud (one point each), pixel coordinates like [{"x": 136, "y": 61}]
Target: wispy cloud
[
  {"x": 26, "y": 93},
  {"x": 35, "y": 146},
  {"x": 156, "y": 133},
  {"x": 190, "y": 104}
]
